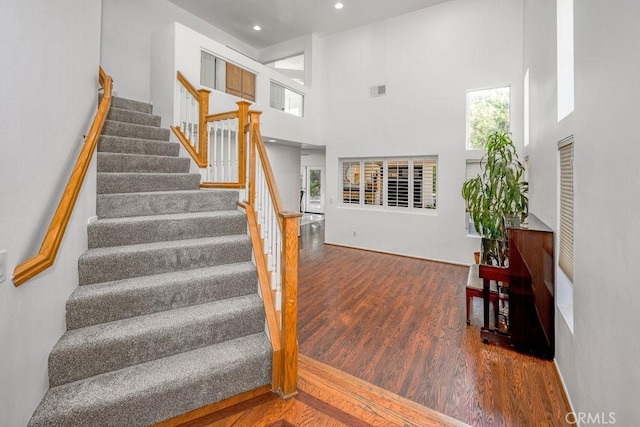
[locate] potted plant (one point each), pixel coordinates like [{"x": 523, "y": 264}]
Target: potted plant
[{"x": 497, "y": 197}]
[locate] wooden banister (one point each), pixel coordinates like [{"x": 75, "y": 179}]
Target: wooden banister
[
  {"x": 264, "y": 159},
  {"x": 274, "y": 232},
  {"x": 48, "y": 250}
]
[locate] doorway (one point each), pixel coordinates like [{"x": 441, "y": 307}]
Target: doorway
[{"x": 312, "y": 189}]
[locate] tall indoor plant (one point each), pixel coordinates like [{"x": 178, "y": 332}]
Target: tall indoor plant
[{"x": 497, "y": 196}]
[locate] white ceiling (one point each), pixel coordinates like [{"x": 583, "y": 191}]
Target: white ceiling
[{"x": 283, "y": 20}]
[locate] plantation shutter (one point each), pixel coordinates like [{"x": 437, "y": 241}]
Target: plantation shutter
[
  {"x": 565, "y": 258},
  {"x": 373, "y": 174},
  {"x": 350, "y": 172},
  {"x": 398, "y": 183},
  {"x": 424, "y": 184}
]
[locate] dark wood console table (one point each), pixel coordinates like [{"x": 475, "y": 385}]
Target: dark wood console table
[{"x": 529, "y": 278}]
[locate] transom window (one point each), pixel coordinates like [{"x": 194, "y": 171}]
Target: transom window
[
  {"x": 390, "y": 183},
  {"x": 487, "y": 112}
]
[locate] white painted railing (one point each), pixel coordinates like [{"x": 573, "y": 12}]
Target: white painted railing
[
  {"x": 270, "y": 233},
  {"x": 224, "y": 151},
  {"x": 189, "y": 117}
]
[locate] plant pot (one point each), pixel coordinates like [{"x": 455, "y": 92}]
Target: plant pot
[{"x": 494, "y": 252}]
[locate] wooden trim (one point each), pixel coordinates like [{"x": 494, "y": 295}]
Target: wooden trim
[
  {"x": 230, "y": 185},
  {"x": 396, "y": 409},
  {"x": 214, "y": 407},
  {"x": 289, "y": 304},
  {"x": 185, "y": 143},
  {"x": 565, "y": 395},
  {"x": 192, "y": 90},
  {"x": 47, "y": 254},
  {"x": 243, "y": 117},
  {"x": 203, "y": 133},
  {"x": 221, "y": 116}
]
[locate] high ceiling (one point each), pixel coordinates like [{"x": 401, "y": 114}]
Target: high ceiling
[{"x": 283, "y": 20}]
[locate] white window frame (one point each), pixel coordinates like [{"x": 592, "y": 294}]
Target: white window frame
[{"x": 411, "y": 162}]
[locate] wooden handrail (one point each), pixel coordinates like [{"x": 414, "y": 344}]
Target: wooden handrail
[
  {"x": 285, "y": 362},
  {"x": 51, "y": 243},
  {"x": 266, "y": 165},
  {"x": 202, "y": 163},
  {"x": 222, "y": 116},
  {"x": 192, "y": 90}
]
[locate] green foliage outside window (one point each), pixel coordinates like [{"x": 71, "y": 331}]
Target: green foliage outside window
[{"x": 488, "y": 113}]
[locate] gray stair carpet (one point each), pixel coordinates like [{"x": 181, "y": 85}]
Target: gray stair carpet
[{"x": 167, "y": 318}]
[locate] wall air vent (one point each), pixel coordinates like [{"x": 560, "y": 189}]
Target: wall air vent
[{"x": 378, "y": 90}]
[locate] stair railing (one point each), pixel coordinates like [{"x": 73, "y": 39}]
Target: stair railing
[
  {"x": 46, "y": 256},
  {"x": 216, "y": 142},
  {"x": 274, "y": 232}
]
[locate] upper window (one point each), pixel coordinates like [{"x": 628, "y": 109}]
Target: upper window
[
  {"x": 487, "y": 112},
  {"x": 218, "y": 74},
  {"x": 565, "y": 58},
  {"x": 408, "y": 183},
  {"x": 287, "y": 100},
  {"x": 292, "y": 67}
]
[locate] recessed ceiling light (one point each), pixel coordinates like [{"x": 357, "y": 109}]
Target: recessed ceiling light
[
  {"x": 257, "y": 27},
  {"x": 339, "y": 5},
  {"x": 272, "y": 140}
]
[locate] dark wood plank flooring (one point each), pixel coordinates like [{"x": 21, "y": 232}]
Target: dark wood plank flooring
[{"x": 399, "y": 323}]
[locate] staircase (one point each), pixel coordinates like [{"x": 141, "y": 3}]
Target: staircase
[{"x": 167, "y": 318}]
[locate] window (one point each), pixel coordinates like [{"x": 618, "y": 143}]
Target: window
[
  {"x": 526, "y": 108},
  {"x": 212, "y": 72},
  {"x": 473, "y": 169},
  {"x": 565, "y": 257},
  {"x": 487, "y": 112},
  {"x": 218, "y": 74},
  {"x": 287, "y": 100},
  {"x": 292, "y": 67},
  {"x": 565, "y": 61},
  {"x": 407, "y": 183}
]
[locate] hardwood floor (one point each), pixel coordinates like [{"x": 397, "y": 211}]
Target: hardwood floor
[
  {"x": 400, "y": 323},
  {"x": 326, "y": 397}
]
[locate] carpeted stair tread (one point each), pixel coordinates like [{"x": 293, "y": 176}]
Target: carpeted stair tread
[
  {"x": 150, "y": 392},
  {"x": 130, "y": 104},
  {"x": 157, "y": 228},
  {"x": 131, "y": 130},
  {"x": 141, "y": 163},
  {"x": 121, "y": 262},
  {"x": 164, "y": 202},
  {"x": 128, "y": 182},
  {"x": 131, "y": 116},
  {"x": 108, "y": 301},
  {"x": 85, "y": 352},
  {"x": 121, "y": 144}
]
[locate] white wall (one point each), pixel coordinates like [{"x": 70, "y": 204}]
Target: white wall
[
  {"x": 288, "y": 48},
  {"x": 428, "y": 59},
  {"x": 597, "y": 360},
  {"x": 126, "y": 36},
  {"x": 285, "y": 163},
  {"x": 313, "y": 158},
  {"x": 49, "y": 71}
]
